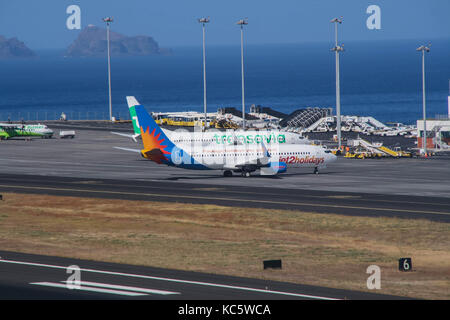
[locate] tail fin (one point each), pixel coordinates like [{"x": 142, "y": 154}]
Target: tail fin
[
  {"x": 132, "y": 102},
  {"x": 157, "y": 146}
]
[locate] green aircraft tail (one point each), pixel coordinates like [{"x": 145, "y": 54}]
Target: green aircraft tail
[{"x": 134, "y": 120}]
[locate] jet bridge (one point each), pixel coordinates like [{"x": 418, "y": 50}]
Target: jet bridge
[{"x": 303, "y": 118}]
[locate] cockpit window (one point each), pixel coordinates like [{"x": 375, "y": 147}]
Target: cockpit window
[{"x": 327, "y": 151}]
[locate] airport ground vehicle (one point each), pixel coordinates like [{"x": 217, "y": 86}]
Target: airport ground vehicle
[{"x": 67, "y": 134}]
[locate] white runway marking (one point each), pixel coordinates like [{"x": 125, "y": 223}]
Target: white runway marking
[
  {"x": 91, "y": 289},
  {"x": 232, "y": 287},
  {"x": 127, "y": 288}
]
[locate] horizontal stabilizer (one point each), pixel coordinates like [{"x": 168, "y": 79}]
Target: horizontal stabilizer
[
  {"x": 132, "y": 136},
  {"x": 128, "y": 149}
]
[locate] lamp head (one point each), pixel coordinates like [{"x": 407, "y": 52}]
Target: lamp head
[
  {"x": 338, "y": 20},
  {"x": 242, "y": 22},
  {"x": 203, "y": 20}
]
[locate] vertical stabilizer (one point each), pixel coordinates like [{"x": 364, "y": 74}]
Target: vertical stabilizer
[{"x": 157, "y": 146}]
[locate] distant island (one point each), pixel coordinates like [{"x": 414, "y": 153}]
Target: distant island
[
  {"x": 91, "y": 42},
  {"x": 13, "y": 48}
]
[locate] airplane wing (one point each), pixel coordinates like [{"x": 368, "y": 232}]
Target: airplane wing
[
  {"x": 256, "y": 162},
  {"x": 249, "y": 164},
  {"x": 265, "y": 163},
  {"x": 266, "y": 167}
]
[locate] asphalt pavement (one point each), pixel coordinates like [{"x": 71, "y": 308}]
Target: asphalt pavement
[{"x": 30, "y": 276}]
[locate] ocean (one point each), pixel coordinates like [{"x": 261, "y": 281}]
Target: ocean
[{"x": 382, "y": 79}]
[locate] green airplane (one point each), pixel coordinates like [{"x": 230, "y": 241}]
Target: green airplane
[{"x": 11, "y": 130}]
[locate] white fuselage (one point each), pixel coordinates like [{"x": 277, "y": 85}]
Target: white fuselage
[
  {"x": 231, "y": 157},
  {"x": 231, "y": 137}
]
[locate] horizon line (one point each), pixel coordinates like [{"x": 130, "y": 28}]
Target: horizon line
[{"x": 276, "y": 43}]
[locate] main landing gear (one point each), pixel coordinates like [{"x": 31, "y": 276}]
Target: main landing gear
[
  {"x": 227, "y": 173},
  {"x": 316, "y": 170}
]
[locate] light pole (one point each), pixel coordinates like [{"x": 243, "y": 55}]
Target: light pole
[
  {"x": 337, "y": 49},
  {"x": 108, "y": 21},
  {"x": 204, "y": 21},
  {"x": 242, "y": 23},
  {"x": 424, "y": 141}
]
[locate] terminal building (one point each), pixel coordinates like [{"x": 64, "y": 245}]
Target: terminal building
[{"x": 438, "y": 133}]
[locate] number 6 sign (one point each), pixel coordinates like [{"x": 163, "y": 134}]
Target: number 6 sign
[{"x": 405, "y": 264}]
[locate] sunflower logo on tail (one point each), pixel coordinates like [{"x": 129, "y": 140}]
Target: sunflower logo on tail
[{"x": 154, "y": 150}]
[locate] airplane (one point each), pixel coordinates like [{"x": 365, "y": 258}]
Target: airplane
[
  {"x": 239, "y": 158},
  {"x": 230, "y": 137},
  {"x": 10, "y": 130}
]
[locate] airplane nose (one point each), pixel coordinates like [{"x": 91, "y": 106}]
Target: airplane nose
[{"x": 331, "y": 157}]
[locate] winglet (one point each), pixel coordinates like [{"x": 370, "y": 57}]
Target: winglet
[
  {"x": 266, "y": 152},
  {"x": 265, "y": 160}
]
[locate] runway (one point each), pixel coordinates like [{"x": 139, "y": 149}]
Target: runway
[
  {"x": 354, "y": 204},
  {"x": 92, "y": 155},
  {"x": 27, "y": 276},
  {"x": 90, "y": 166}
]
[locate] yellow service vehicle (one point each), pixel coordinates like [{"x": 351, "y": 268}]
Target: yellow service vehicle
[{"x": 160, "y": 119}]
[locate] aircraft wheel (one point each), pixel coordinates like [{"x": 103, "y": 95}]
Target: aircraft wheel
[
  {"x": 247, "y": 174},
  {"x": 316, "y": 170},
  {"x": 227, "y": 173}
]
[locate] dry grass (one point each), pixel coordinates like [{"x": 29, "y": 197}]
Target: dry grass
[{"x": 317, "y": 249}]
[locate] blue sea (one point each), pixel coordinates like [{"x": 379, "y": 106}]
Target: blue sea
[{"x": 382, "y": 79}]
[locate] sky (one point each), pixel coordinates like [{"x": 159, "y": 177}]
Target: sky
[{"x": 42, "y": 24}]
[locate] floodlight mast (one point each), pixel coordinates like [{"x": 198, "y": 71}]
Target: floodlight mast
[
  {"x": 338, "y": 49},
  {"x": 424, "y": 139},
  {"x": 204, "y": 21},
  {"x": 108, "y": 21},
  {"x": 242, "y": 23}
]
